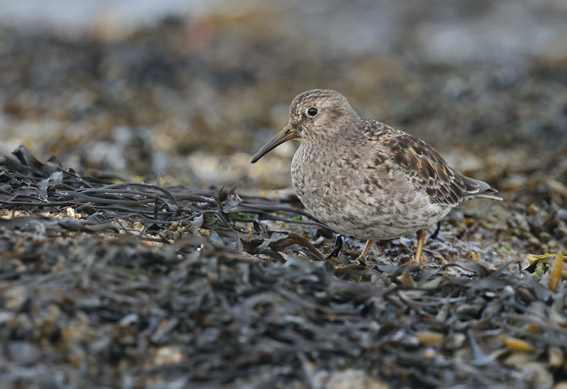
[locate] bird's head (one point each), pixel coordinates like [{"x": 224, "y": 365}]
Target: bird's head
[{"x": 315, "y": 116}]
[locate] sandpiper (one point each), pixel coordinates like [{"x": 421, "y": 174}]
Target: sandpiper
[{"x": 364, "y": 178}]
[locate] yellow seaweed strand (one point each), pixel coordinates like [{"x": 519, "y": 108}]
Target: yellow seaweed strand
[{"x": 555, "y": 275}]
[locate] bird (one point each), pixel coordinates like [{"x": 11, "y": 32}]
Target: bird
[{"x": 366, "y": 179}]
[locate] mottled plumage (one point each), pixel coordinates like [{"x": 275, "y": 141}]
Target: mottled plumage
[{"x": 364, "y": 178}]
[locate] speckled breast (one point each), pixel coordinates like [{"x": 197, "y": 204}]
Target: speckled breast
[{"x": 355, "y": 199}]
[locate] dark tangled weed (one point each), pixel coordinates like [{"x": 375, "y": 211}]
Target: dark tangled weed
[{"x": 113, "y": 283}]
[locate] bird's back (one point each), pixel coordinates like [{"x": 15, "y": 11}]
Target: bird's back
[{"x": 423, "y": 166}]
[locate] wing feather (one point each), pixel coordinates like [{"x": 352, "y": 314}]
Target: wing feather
[{"x": 425, "y": 168}]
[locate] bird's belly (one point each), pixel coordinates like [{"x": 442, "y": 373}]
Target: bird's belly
[
  {"x": 350, "y": 205},
  {"x": 378, "y": 224},
  {"x": 369, "y": 220}
]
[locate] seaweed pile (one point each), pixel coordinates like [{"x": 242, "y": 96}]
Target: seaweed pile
[{"x": 114, "y": 283}]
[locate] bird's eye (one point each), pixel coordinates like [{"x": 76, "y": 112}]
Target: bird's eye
[{"x": 312, "y": 111}]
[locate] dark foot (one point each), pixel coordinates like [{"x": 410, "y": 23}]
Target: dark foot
[
  {"x": 337, "y": 247},
  {"x": 437, "y": 229}
]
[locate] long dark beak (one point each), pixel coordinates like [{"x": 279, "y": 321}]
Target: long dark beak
[{"x": 283, "y": 136}]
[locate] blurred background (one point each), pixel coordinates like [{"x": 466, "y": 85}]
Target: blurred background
[{"x": 188, "y": 90}]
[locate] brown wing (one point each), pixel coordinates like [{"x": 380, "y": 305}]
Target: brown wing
[{"x": 425, "y": 168}]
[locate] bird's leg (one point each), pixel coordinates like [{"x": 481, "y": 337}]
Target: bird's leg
[
  {"x": 420, "y": 241},
  {"x": 362, "y": 257},
  {"x": 337, "y": 247},
  {"x": 436, "y": 232}
]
